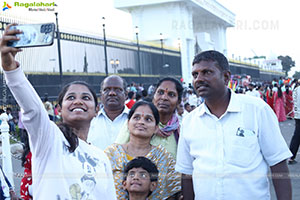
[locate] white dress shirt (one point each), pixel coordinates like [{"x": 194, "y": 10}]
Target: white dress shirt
[
  {"x": 103, "y": 132},
  {"x": 229, "y": 156}
]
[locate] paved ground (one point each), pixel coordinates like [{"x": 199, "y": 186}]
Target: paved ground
[{"x": 287, "y": 129}]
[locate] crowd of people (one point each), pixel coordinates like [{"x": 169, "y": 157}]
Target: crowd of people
[{"x": 172, "y": 141}]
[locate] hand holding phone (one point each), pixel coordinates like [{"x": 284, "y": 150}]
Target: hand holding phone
[{"x": 34, "y": 35}]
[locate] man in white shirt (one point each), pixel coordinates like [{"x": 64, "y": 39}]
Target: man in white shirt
[
  {"x": 252, "y": 91},
  {"x": 106, "y": 125},
  {"x": 228, "y": 143}
]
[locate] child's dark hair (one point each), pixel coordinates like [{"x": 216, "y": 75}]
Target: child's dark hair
[
  {"x": 144, "y": 163},
  {"x": 142, "y": 103},
  {"x": 66, "y": 129}
]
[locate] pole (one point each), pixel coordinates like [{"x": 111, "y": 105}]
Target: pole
[
  {"x": 105, "y": 51},
  {"x": 59, "y": 52},
  {"x": 138, "y": 51},
  {"x": 162, "y": 49},
  {"x": 6, "y": 155}
]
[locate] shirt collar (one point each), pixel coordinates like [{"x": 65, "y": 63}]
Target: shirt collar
[
  {"x": 234, "y": 105},
  {"x": 102, "y": 111}
]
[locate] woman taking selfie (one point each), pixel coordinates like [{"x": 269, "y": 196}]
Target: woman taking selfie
[
  {"x": 143, "y": 121},
  {"x": 64, "y": 165}
]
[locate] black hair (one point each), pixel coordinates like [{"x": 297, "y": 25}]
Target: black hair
[
  {"x": 138, "y": 96},
  {"x": 144, "y": 93},
  {"x": 214, "y": 56},
  {"x": 114, "y": 76},
  {"x": 178, "y": 85},
  {"x": 186, "y": 104},
  {"x": 130, "y": 94},
  {"x": 287, "y": 89},
  {"x": 279, "y": 91},
  {"x": 142, "y": 103},
  {"x": 144, "y": 163},
  {"x": 26, "y": 148},
  {"x": 65, "y": 128}
]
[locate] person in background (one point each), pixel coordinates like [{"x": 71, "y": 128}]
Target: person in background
[
  {"x": 22, "y": 131},
  {"x": 295, "y": 142},
  {"x": 252, "y": 91},
  {"x": 131, "y": 102},
  {"x": 289, "y": 105},
  {"x": 229, "y": 142},
  {"x": 140, "y": 178},
  {"x": 26, "y": 182},
  {"x": 270, "y": 97},
  {"x": 106, "y": 126},
  {"x": 279, "y": 104},
  {"x": 49, "y": 107},
  {"x": 11, "y": 123},
  {"x": 187, "y": 107},
  {"x": 180, "y": 112}
]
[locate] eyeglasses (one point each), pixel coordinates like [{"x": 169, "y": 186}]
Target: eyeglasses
[{"x": 142, "y": 175}]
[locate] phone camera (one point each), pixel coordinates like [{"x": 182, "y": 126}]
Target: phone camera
[{"x": 46, "y": 28}]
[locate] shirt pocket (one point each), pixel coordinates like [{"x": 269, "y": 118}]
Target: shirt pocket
[{"x": 241, "y": 151}]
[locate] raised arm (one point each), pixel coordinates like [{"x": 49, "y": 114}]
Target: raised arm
[
  {"x": 35, "y": 117},
  {"x": 8, "y": 53}
]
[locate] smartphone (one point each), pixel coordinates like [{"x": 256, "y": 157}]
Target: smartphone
[{"x": 34, "y": 35}]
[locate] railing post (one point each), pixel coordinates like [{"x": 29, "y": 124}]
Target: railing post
[{"x": 6, "y": 154}]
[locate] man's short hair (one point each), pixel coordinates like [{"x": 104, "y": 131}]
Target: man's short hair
[
  {"x": 214, "y": 56},
  {"x": 146, "y": 164},
  {"x": 114, "y": 76},
  {"x": 130, "y": 94}
]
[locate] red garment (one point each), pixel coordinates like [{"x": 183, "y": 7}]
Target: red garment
[
  {"x": 289, "y": 104},
  {"x": 130, "y": 103},
  {"x": 279, "y": 103},
  {"x": 27, "y": 179},
  {"x": 270, "y": 98}
]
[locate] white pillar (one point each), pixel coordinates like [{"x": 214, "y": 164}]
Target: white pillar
[{"x": 6, "y": 155}]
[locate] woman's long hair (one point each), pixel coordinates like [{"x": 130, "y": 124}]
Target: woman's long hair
[{"x": 66, "y": 129}]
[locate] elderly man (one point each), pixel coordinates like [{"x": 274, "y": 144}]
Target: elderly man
[
  {"x": 106, "y": 125},
  {"x": 228, "y": 143}
]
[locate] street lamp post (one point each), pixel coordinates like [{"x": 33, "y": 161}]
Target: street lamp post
[
  {"x": 162, "y": 48},
  {"x": 105, "y": 43},
  {"x": 59, "y": 52},
  {"x": 115, "y": 64},
  {"x": 138, "y": 49}
]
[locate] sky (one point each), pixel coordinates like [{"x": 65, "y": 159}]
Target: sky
[{"x": 263, "y": 28}]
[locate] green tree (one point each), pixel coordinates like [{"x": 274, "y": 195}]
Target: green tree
[
  {"x": 296, "y": 75},
  {"x": 287, "y": 63}
]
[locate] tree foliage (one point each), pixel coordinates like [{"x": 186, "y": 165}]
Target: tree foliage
[
  {"x": 296, "y": 75},
  {"x": 287, "y": 63}
]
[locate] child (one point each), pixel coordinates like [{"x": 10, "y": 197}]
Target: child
[{"x": 140, "y": 178}]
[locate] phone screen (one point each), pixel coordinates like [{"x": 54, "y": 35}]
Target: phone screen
[{"x": 34, "y": 35}]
